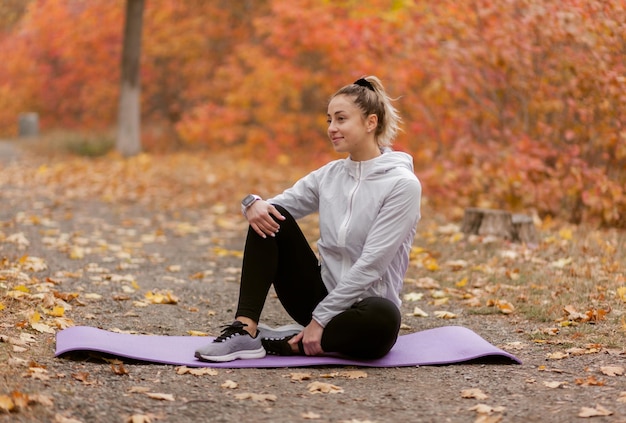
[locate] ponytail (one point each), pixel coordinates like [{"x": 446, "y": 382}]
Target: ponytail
[{"x": 370, "y": 96}]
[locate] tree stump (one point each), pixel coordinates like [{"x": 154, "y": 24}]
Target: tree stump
[
  {"x": 499, "y": 223},
  {"x": 28, "y": 124}
]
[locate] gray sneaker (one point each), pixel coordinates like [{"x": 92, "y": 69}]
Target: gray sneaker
[
  {"x": 276, "y": 340},
  {"x": 234, "y": 343}
]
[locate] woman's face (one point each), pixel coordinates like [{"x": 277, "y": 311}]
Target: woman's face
[{"x": 348, "y": 130}]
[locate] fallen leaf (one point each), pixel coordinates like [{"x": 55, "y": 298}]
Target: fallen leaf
[
  {"x": 621, "y": 293},
  {"x": 445, "y": 315},
  {"x": 474, "y": 393},
  {"x": 83, "y": 377},
  {"x": 418, "y": 312},
  {"x": 486, "y": 418},
  {"x": 119, "y": 369},
  {"x": 554, "y": 384},
  {"x": 612, "y": 370},
  {"x": 487, "y": 409},
  {"x": 589, "y": 381},
  {"x": 427, "y": 283},
  {"x": 309, "y": 415},
  {"x": 196, "y": 371},
  {"x": 6, "y": 403},
  {"x": 297, "y": 377},
  {"x": 165, "y": 297},
  {"x": 139, "y": 418},
  {"x": 622, "y": 397},
  {"x": 353, "y": 374},
  {"x": 160, "y": 396},
  {"x": 229, "y": 384},
  {"x": 413, "y": 296},
  {"x": 557, "y": 355},
  {"x": 256, "y": 397},
  {"x": 59, "y": 418},
  {"x": 325, "y": 388},
  {"x": 594, "y": 412}
]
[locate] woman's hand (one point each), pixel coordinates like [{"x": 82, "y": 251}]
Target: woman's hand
[
  {"x": 311, "y": 338},
  {"x": 259, "y": 215}
]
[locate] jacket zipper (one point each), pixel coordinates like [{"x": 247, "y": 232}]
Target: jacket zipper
[{"x": 343, "y": 229}]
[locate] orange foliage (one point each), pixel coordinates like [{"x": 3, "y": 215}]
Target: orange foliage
[{"x": 508, "y": 104}]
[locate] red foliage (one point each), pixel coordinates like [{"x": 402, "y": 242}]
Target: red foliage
[{"x": 510, "y": 104}]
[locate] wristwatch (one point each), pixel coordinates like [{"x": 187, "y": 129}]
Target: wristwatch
[{"x": 248, "y": 201}]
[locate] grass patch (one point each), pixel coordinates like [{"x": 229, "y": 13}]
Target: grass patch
[
  {"x": 95, "y": 145},
  {"x": 570, "y": 282}
]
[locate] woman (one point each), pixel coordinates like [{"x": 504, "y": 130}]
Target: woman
[{"x": 348, "y": 301}]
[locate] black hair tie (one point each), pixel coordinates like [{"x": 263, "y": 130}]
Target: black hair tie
[{"x": 364, "y": 83}]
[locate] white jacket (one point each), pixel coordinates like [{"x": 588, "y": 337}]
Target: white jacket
[{"x": 368, "y": 212}]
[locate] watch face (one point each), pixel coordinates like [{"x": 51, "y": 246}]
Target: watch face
[{"x": 248, "y": 200}]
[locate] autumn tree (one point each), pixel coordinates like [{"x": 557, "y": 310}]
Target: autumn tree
[{"x": 512, "y": 105}]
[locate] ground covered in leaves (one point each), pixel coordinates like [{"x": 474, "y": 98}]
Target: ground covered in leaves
[{"x": 153, "y": 245}]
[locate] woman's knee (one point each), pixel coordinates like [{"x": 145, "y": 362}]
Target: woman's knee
[{"x": 382, "y": 314}]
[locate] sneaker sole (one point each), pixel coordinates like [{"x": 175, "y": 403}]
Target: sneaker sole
[
  {"x": 287, "y": 329},
  {"x": 242, "y": 355}
]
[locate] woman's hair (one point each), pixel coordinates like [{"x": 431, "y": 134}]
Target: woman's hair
[{"x": 370, "y": 96}]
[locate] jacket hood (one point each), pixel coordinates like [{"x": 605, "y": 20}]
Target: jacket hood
[{"x": 380, "y": 165}]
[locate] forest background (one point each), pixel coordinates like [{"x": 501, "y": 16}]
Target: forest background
[{"x": 513, "y": 104}]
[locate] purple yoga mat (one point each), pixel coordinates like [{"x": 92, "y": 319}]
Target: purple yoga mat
[{"x": 444, "y": 345}]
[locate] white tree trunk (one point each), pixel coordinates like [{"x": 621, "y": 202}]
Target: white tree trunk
[{"x": 129, "y": 114}]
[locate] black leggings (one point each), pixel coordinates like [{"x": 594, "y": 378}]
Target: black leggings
[{"x": 367, "y": 330}]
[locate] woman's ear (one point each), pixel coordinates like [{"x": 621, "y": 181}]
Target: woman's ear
[{"x": 371, "y": 122}]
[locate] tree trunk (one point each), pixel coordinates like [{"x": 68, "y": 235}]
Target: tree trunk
[
  {"x": 128, "y": 122},
  {"x": 499, "y": 223}
]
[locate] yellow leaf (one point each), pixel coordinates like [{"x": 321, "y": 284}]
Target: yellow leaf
[
  {"x": 2, "y": 307},
  {"x": 6, "y": 403},
  {"x": 35, "y": 317},
  {"x": 566, "y": 234},
  {"x": 197, "y": 333},
  {"x": 21, "y": 288},
  {"x": 621, "y": 293},
  {"x": 77, "y": 253},
  {"x": 430, "y": 263},
  {"x": 165, "y": 297},
  {"x": 461, "y": 283},
  {"x": 505, "y": 307},
  {"x": 56, "y": 311}
]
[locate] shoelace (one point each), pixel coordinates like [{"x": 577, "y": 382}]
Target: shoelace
[{"x": 230, "y": 330}]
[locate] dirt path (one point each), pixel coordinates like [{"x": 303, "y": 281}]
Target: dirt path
[{"x": 111, "y": 255}]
